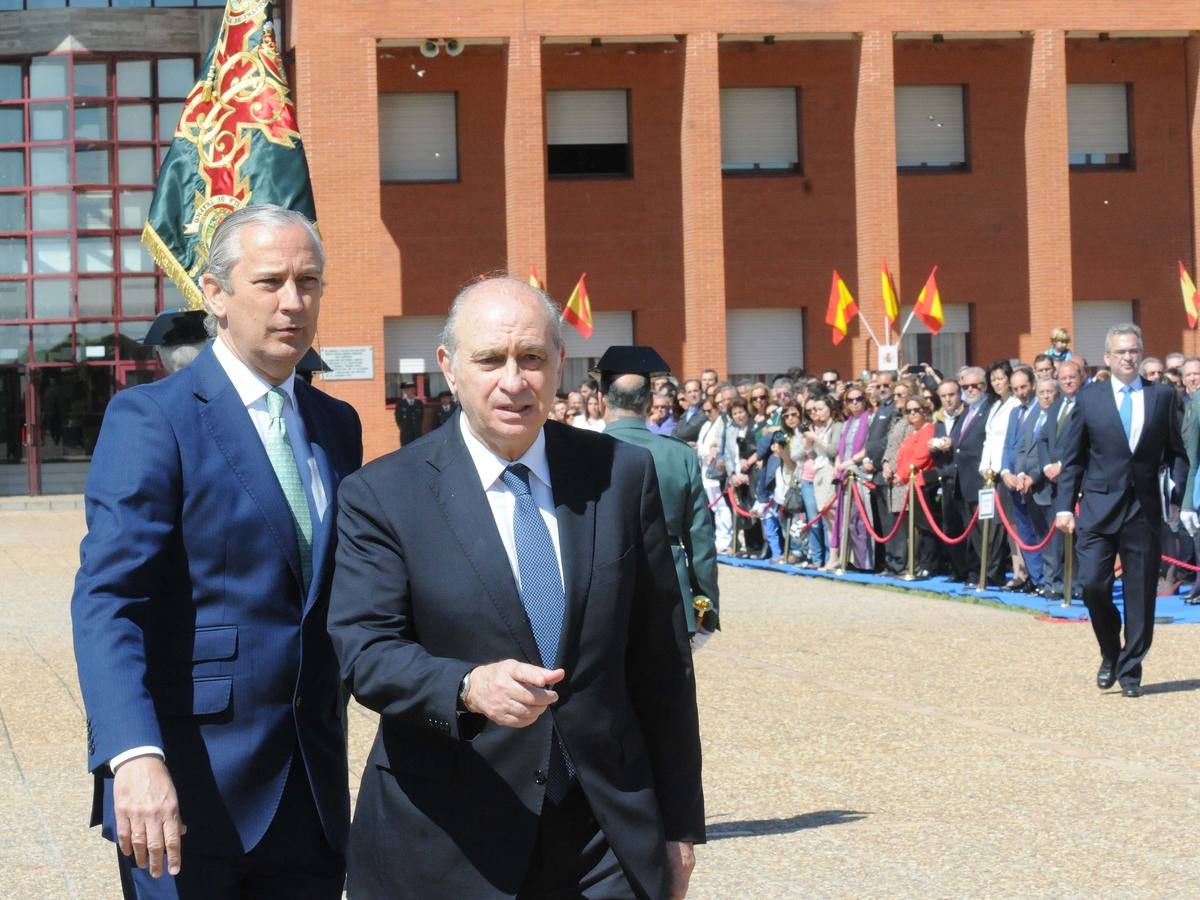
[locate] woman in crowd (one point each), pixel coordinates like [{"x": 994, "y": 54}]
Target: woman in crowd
[
  {"x": 814, "y": 454},
  {"x": 852, "y": 449},
  {"x": 718, "y": 460},
  {"x": 1004, "y": 402},
  {"x": 747, "y": 456},
  {"x": 913, "y": 459},
  {"x": 760, "y": 410},
  {"x": 783, "y": 440},
  {"x": 592, "y": 418}
]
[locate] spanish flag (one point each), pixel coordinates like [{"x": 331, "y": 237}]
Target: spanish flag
[
  {"x": 237, "y": 143},
  {"x": 1189, "y": 295},
  {"x": 929, "y": 304},
  {"x": 891, "y": 306},
  {"x": 841, "y": 309},
  {"x": 534, "y": 281},
  {"x": 578, "y": 311}
]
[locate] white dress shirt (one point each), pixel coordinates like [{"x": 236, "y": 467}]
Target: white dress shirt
[
  {"x": 503, "y": 502},
  {"x": 1139, "y": 406},
  {"x": 253, "y": 390}
]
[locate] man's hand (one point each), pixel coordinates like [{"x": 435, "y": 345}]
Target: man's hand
[
  {"x": 1010, "y": 480},
  {"x": 1052, "y": 470},
  {"x": 1065, "y": 522},
  {"x": 511, "y": 693},
  {"x": 1190, "y": 521},
  {"x": 1024, "y": 483},
  {"x": 147, "y": 814},
  {"x": 868, "y": 466},
  {"x": 680, "y": 862}
]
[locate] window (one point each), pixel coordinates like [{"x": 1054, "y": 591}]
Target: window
[
  {"x": 759, "y": 130},
  {"x": 946, "y": 351},
  {"x": 1098, "y": 125},
  {"x": 1092, "y": 319},
  {"x": 608, "y": 329},
  {"x": 410, "y": 349},
  {"x": 587, "y": 133},
  {"x": 930, "y": 129},
  {"x": 418, "y": 137},
  {"x": 764, "y": 341},
  {"x": 79, "y": 153}
]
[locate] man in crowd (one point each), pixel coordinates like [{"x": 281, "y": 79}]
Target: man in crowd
[
  {"x": 410, "y": 413},
  {"x": 1021, "y": 382},
  {"x": 1050, "y": 448},
  {"x": 880, "y": 422},
  {"x": 968, "y": 451},
  {"x": 210, "y": 684},
  {"x": 538, "y": 730},
  {"x": 1152, "y": 369},
  {"x": 947, "y": 422},
  {"x": 661, "y": 419},
  {"x": 624, "y": 380},
  {"x": 688, "y": 428},
  {"x": 1036, "y": 492},
  {"x": 1190, "y": 431},
  {"x": 708, "y": 381},
  {"x": 1043, "y": 366},
  {"x": 1114, "y": 461}
]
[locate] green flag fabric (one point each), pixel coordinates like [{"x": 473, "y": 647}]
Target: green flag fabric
[{"x": 237, "y": 144}]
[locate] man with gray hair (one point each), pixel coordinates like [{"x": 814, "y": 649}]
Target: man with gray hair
[
  {"x": 207, "y": 673},
  {"x": 1121, "y": 433},
  {"x": 538, "y": 732}
]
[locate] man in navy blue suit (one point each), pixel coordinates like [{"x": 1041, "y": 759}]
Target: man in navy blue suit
[
  {"x": 215, "y": 714},
  {"x": 1122, "y": 431}
]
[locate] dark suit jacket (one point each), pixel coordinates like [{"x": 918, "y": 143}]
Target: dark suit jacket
[
  {"x": 688, "y": 429},
  {"x": 943, "y": 460},
  {"x": 449, "y": 804},
  {"x": 1098, "y": 462},
  {"x": 968, "y": 451},
  {"x": 1049, "y": 448},
  {"x": 877, "y": 436},
  {"x": 1027, "y": 459},
  {"x": 193, "y": 631}
]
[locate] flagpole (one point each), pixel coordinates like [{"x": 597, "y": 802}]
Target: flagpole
[
  {"x": 904, "y": 330},
  {"x": 867, "y": 325}
]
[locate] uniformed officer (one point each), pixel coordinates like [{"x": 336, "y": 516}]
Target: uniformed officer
[
  {"x": 625, "y": 375},
  {"x": 410, "y": 413},
  {"x": 177, "y": 336}
]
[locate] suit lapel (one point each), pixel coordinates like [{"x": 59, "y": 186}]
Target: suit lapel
[
  {"x": 460, "y": 497},
  {"x": 575, "y": 507},
  {"x": 229, "y": 424}
]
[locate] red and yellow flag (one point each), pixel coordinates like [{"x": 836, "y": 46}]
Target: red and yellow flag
[
  {"x": 578, "y": 311},
  {"x": 929, "y": 304},
  {"x": 841, "y": 309},
  {"x": 891, "y": 306},
  {"x": 534, "y": 281},
  {"x": 1189, "y": 295}
]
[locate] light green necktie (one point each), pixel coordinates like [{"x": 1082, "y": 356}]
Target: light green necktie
[{"x": 283, "y": 461}]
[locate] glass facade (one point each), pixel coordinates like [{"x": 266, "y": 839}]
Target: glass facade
[{"x": 81, "y": 140}]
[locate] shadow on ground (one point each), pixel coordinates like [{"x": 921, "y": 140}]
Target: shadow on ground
[
  {"x": 757, "y": 827},
  {"x": 1172, "y": 687}
]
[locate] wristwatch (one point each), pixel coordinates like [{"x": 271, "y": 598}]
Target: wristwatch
[{"x": 463, "y": 687}]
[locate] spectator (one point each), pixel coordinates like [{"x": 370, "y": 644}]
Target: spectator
[
  {"x": 913, "y": 460},
  {"x": 815, "y": 454},
  {"x": 896, "y": 550},
  {"x": 718, "y": 458},
  {"x": 1043, "y": 366},
  {"x": 662, "y": 419},
  {"x": 593, "y": 419},
  {"x": 1152, "y": 369},
  {"x": 693, "y": 418},
  {"x": 574, "y": 405},
  {"x": 1060, "y": 345},
  {"x": 851, "y": 450},
  {"x": 447, "y": 407}
]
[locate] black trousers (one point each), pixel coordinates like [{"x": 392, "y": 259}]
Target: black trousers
[
  {"x": 292, "y": 860},
  {"x": 884, "y": 519},
  {"x": 572, "y": 858},
  {"x": 1137, "y": 542}
]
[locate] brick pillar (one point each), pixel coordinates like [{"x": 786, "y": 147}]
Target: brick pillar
[
  {"x": 525, "y": 158},
  {"x": 876, "y": 206},
  {"x": 1193, "y": 109},
  {"x": 363, "y": 270},
  {"x": 1047, "y": 194},
  {"x": 704, "y": 343}
]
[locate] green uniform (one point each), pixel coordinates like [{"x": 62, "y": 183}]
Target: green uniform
[{"x": 689, "y": 522}]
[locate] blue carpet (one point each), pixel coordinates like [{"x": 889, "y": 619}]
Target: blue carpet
[{"x": 1168, "y": 609}]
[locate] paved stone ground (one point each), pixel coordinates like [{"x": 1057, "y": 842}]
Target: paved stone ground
[{"x": 858, "y": 743}]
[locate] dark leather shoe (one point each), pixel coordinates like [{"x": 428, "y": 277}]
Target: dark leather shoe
[
  {"x": 1106, "y": 677},
  {"x": 1131, "y": 690}
]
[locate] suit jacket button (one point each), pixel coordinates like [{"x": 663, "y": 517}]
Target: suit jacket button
[
  {"x": 297, "y": 704},
  {"x": 539, "y": 777}
]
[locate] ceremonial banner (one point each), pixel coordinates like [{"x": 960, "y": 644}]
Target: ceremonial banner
[
  {"x": 578, "y": 311},
  {"x": 841, "y": 308},
  {"x": 237, "y": 143}
]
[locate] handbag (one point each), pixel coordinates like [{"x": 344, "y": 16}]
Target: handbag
[{"x": 793, "y": 500}]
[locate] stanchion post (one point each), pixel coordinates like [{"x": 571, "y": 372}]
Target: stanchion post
[
  {"x": 1068, "y": 567},
  {"x": 986, "y": 541},
  {"x": 787, "y": 536},
  {"x": 911, "y": 574},
  {"x": 845, "y": 505},
  {"x": 737, "y": 519}
]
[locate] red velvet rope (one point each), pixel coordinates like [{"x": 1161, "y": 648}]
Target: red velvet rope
[
  {"x": 1170, "y": 561},
  {"x": 941, "y": 534},
  {"x": 744, "y": 513},
  {"x": 866, "y": 519},
  {"x": 1028, "y": 548}
]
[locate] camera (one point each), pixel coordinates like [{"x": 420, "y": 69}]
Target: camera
[{"x": 779, "y": 437}]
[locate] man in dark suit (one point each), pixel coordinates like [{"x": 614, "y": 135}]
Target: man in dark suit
[
  {"x": 892, "y": 559},
  {"x": 968, "y": 451},
  {"x": 1035, "y": 490},
  {"x": 1021, "y": 382},
  {"x": 624, "y": 376},
  {"x": 538, "y": 730},
  {"x": 947, "y": 422},
  {"x": 1050, "y": 448},
  {"x": 688, "y": 427},
  {"x": 209, "y": 679},
  {"x": 1122, "y": 432}
]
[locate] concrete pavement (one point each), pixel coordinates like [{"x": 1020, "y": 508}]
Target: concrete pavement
[{"x": 858, "y": 743}]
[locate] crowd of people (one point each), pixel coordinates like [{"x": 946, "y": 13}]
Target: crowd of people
[{"x": 782, "y": 461}]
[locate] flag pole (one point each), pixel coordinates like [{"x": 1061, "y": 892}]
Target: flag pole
[
  {"x": 867, "y": 325},
  {"x": 904, "y": 330}
]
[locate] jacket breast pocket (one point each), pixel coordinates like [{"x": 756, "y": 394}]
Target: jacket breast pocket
[
  {"x": 608, "y": 572},
  {"x": 1095, "y": 486}
]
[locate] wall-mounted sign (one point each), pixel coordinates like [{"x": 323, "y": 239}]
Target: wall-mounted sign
[{"x": 349, "y": 363}]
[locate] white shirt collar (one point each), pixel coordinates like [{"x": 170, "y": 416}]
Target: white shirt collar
[
  {"x": 490, "y": 465},
  {"x": 1136, "y": 384},
  {"x": 250, "y": 386}
]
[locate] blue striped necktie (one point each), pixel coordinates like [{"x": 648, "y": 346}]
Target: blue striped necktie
[
  {"x": 543, "y": 598},
  {"x": 283, "y": 461}
]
